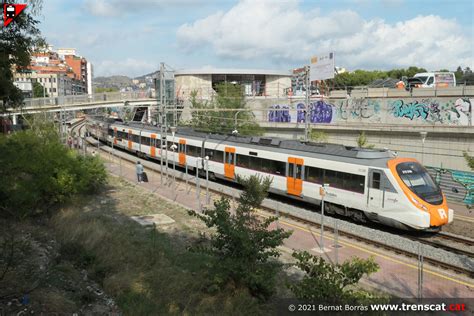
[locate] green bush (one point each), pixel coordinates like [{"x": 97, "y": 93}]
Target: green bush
[
  {"x": 243, "y": 250},
  {"x": 332, "y": 283},
  {"x": 38, "y": 172}
]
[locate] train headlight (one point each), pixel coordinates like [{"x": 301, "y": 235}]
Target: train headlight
[{"x": 420, "y": 205}]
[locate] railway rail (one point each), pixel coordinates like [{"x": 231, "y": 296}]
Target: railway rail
[
  {"x": 349, "y": 235},
  {"x": 439, "y": 241}
]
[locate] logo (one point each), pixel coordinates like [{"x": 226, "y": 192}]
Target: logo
[
  {"x": 442, "y": 213},
  {"x": 11, "y": 11}
]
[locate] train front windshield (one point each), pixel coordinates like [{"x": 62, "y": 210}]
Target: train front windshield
[{"x": 418, "y": 180}]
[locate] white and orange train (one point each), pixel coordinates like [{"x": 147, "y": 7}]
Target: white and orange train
[{"x": 364, "y": 184}]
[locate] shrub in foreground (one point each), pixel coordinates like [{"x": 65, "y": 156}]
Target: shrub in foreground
[
  {"x": 243, "y": 250},
  {"x": 37, "y": 172}
]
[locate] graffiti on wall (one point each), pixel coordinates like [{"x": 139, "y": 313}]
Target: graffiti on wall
[
  {"x": 443, "y": 111},
  {"x": 458, "y": 186},
  {"x": 453, "y": 112},
  {"x": 279, "y": 113},
  {"x": 463, "y": 112},
  {"x": 358, "y": 108},
  {"x": 319, "y": 112},
  {"x": 410, "y": 110}
]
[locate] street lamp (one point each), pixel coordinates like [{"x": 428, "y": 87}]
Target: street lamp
[
  {"x": 322, "y": 192},
  {"x": 207, "y": 179},
  {"x": 198, "y": 186}
]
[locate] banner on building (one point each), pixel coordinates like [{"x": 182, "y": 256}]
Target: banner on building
[{"x": 322, "y": 67}]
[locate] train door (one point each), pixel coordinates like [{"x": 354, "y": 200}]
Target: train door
[
  {"x": 229, "y": 162},
  {"x": 294, "y": 176},
  {"x": 130, "y": 137},
  {"x": 182, "y": 152},
  {"x": 153, "y": 145},
  {"x": 375, "y": 192},
  {"x": 115, "y": 136}
]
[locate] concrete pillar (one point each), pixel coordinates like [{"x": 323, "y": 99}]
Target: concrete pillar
[
  {"x": 148, "y": 114},
  {"x": 14, "y": 121}
]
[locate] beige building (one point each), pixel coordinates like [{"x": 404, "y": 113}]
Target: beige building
[
  {"x": 54, "y": 84},
  {"x": 256, "y": 82}
]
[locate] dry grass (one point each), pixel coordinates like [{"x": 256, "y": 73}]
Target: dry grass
[{"x": 147, "y": 271}]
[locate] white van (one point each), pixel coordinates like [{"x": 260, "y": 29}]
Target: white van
[{"x": 436, "y": 79}]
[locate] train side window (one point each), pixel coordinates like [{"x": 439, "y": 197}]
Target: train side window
[
  {"x": 330, "y": 177},
  {"x": 145, "y": 141},
  {"x": 111, "y": 132},
  {"x": 279, "y": 167},
  {"x": 218, "y": 156},
  {"x": 189, "y": 150},
  {"x": 243, "y": 161},
  {"x": 314, "y": 174},
  {"x": 255, "y": 163},
  {"x": 353, "y": 182},
  {"x": 299, "y": 171},
  {"x": 266, "y": 165},
  {"x": 209, "y": 153},
  {"x": 375, "y": 180},
  {"x": 230, "y": 158},
  {"x": 291, "y": 170}
]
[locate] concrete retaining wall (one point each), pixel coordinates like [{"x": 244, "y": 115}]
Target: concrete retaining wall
[{"x": 456, "y": 111}]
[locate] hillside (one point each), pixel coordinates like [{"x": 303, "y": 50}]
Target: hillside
[{"x": 118, "y": 82}]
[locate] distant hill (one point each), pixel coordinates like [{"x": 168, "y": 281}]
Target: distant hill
[
  {"x": 153, "y": 75},
  {"x": 117, "y": 82}
]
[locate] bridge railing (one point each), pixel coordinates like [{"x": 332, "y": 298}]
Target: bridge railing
[{"x": 86, "y": 98}]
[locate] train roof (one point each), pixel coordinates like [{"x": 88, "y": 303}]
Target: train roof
[{"x": 335, "y": 152}]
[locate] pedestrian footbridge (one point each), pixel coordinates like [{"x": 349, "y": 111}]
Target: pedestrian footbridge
[{"x": 81, "y": 102}]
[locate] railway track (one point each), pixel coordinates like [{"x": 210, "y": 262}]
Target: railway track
[
  {"x": 457, "y": 243},
  {"x": 374, "y": 243}
]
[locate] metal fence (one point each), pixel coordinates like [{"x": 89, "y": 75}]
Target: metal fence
[{"x": 86, "y": 98}]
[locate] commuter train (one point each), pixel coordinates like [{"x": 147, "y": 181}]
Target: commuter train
[{"x": 367, "y": 185}]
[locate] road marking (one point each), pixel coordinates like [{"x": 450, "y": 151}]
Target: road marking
[{"x": 378, "y": 254}]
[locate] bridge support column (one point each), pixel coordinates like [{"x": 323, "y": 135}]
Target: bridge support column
[
  {"x": 14, "y": 119},
  {"x": 148, "y": 115}
]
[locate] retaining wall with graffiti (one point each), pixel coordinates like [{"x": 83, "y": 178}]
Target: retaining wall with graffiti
[
  {"x": 457, "y": 186},
  {"x": 439, "y": 111}
]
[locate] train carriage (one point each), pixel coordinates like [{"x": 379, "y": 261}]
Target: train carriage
[{"x": 364, "y": 184}]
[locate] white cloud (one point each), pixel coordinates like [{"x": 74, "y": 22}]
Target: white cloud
[
  {"x": 130, "y": 67},
  {"x": 280, "y": 31},
  {"x": 112, "y": 8}
]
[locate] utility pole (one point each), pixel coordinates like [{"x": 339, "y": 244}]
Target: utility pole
[
  {"x": 307, "y": 99},
  {"x": 161, "y": 122}
]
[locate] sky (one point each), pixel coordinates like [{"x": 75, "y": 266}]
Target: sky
[{"x": 124, "y": 37}]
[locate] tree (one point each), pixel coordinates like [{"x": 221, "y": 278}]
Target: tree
[
  {"x": 459, "y": 74},
  {"x": 39, "y": 91},
  {"x": 17, "y": 41},
  {"x": 243, "y": 248},
  {"x": 318, "y": 136},
  {"x": 217, "y": 115},
  {"x": 104, "y": 90},
  {"x": 39, "y": 172},
  {"x": 362, "y": 141},
  {"x": 468, "y": 76},
  {"x": 330, "y": 283},
  {"x": 469, "y": 160},
  {"x": 365, "y": 77}
]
